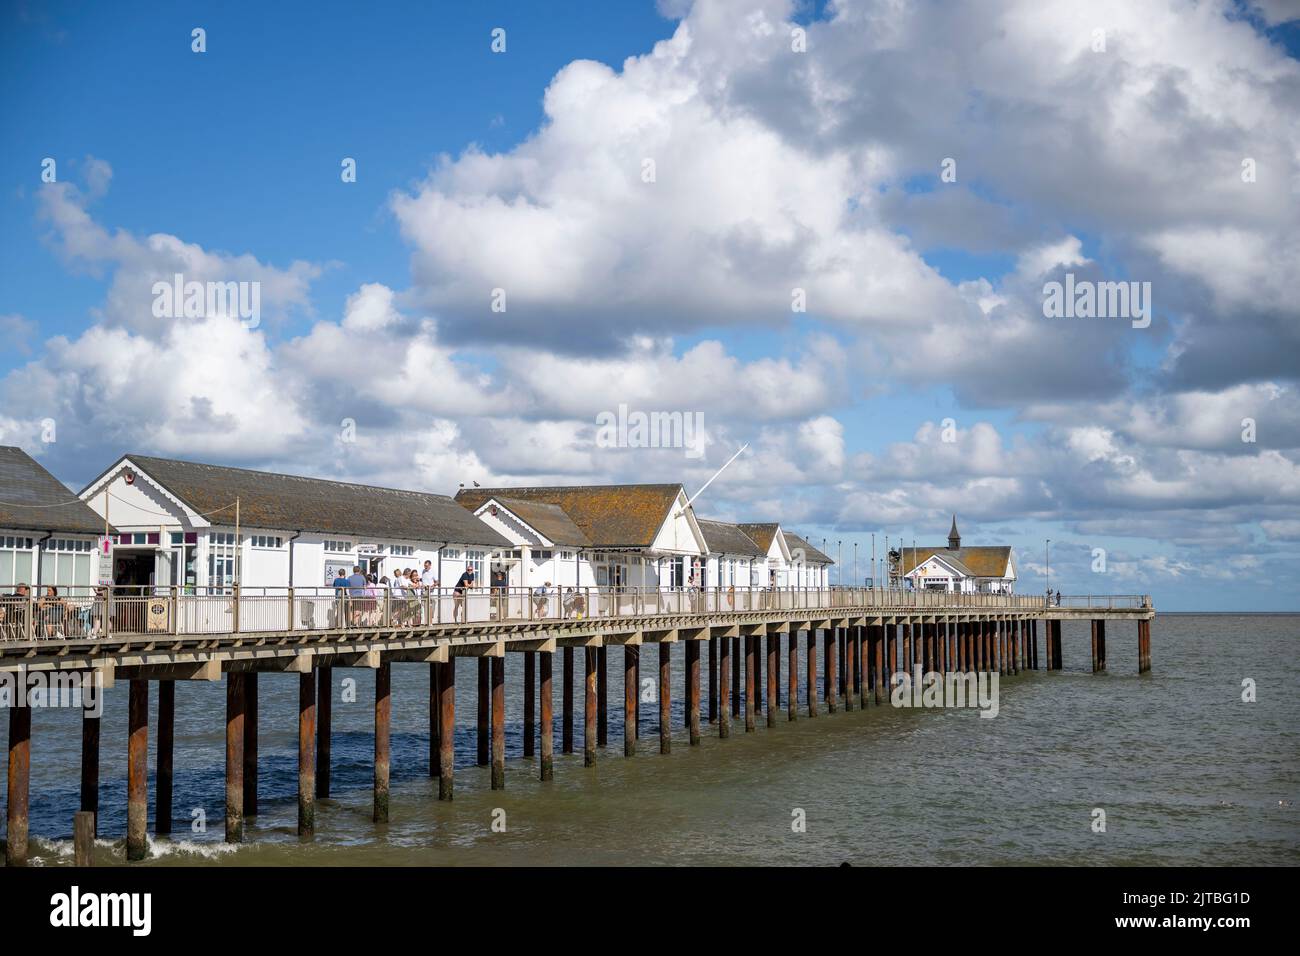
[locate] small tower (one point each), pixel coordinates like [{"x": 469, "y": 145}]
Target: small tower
[{"x": 954, "y": 539}]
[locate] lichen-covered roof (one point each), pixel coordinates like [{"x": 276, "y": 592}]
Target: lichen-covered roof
[
  {"x": 810, "y": 554},
  {"x": 546, "y": 519},
  {"x": 978, "y": 562},
  {"x": 762, "y": 534},
  {"x": 722, "y": 537},
  {"x": 31, "y": 499},
  {"x": 611, "y": 516},
  {"x": 318, "y": 505}
]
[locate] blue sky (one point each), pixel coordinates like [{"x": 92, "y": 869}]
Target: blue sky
[{"x": 817, "y": 170}]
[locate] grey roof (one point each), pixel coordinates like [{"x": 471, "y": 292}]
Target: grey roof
[
  {"x": 547, "y": 519},
  {"x": 811, "y": 554},
  {"x": 725, "y": 538},
  {"x": 31, "y": 499},
  {"x": 294, "y": 503}
]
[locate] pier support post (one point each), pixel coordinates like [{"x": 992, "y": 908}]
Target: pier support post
[
  {"x": 758, "y": 674},
  {"x": 383, "y": 724},
  {"x": 602, "y": 696},
  {"x": 324, "y": 702},
  {"x": 812, "y": 672},
  {"x": 162, "y": 819},
  {"x": 773, "y": 659},
  {"x": 713, "y": 679},
  {"x": 693, "y": 691},
  {"x": 547, "y": 729},
  {"x": 792, "y": 678},
  {"x": 307, "y": 754},
  {"x": 1101, "y": 644},
  {"x": 483, "y": 703},
  {"x": 19, "y": 781},
  {"x": 749, "y": 683},
  {"x": 907, "y": 646},
  {"x": 1056, "y": 651},
  {"x": 435, "y": 717},
  {"x": 629, "y": 699},
  {"x": 878, "y": 639},
  {"x": 724, "y": 689},
  {"x": 90, "y": 728},
  {"x": 1144, "y": 646},
  {"x": 499, "y": 723},
  {"x": 447, "y": 723},
  {"x": 590, "y": 680},
  {"x": 250, "y": 744},
  {"x": 665, "y": 697},
  {"x": 566, "y": 704},
  {"x": 234, "y": 759},
  {"x": 530, "y": 701},
  {"x": 832, "y": 676},
  {"x": 1093, "y": 636},
  {"x": 737, "y": 665},
  {"x": 828, "y": 672},
  {"x": 850, "y": 655}
]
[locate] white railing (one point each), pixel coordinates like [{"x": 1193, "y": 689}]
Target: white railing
[{"x": 79, "y": 613}]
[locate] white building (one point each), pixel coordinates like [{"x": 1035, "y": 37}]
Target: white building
[
  {"x": 207, "y": 526},
  {"x": 639, "y": 536},
  {"x": 775, "y": 569},
  {"x": 735, "y": 559},
  {"x": 987, "y": 570},
  {"x": 47, "y": 536},
  {"x": 809, "y": 568}
]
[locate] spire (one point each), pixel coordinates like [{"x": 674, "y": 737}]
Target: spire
[{"x": 954, "y": 538}]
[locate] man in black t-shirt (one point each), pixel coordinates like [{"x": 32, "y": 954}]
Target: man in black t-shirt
[{"x": 466, "y": 580}]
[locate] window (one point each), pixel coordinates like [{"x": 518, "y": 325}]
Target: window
[
  {"x": 221, "y": 558},
  {"x": 476, "y": 560},
  {"x": 65, "y": 562},
  {"x": 542, "y": 555},
  {"x": 266, "y": 541},
  {"x": 189, "y": 537},
  {"x": 402, "y": 550},
  {"x": 451, "y": 554},
  {"x": 566, "y": 555},
  {"x": 15, "y": 561},
  {"x": 338, "y": 547}
]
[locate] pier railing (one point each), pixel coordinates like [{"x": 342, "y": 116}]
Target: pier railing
[{"x": 98, "y": 613}]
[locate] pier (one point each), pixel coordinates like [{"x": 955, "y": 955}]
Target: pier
[{"x": 867, "y": 635}]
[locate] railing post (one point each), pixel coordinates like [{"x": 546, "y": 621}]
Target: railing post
[
  {"x": 234, "y": 609},
  {"x": 175, "y": 609},
  {"x": 290, "y": 608}
]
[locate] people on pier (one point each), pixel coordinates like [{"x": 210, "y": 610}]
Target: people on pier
[
  {"x": 541, "y": 598},
  {"x": 466, "y": 580}
]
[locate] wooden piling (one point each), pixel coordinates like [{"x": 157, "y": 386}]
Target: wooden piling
[
  {"x": 1093, "y": 636},
  {"x": 435, "y": 717},
  {"x": 250, "y": 744},
  {"x": 602, "y": 696},
  {"x": 713, "y": 679},
  {"x": 1101, "y": 644},
  {"x": 324, "y": 704},
  {"x": 547, "y": 728},
  {"x": 850, "y": 690},
  {"x": 83, "y": 838},
  {"x": 90, "y": 729},
  {"x": 383, "y": 724},
  {"x": 566, "y": 704},
  {"x": 234, "y": 760},
  {"x": 878, "y": 639},
  {"x": 758, "y": 675},
  {"x": 841, "y": 662},
  {"x": 737, "y": 664},
  {"x": 19, "y": 780},
  {"x": 906, "y": 628},
  {"x": 833, "y": 678},
  {"x": 665, "y": 697},
  {"x": 447, "y": 721},
  {"x": 590, "y": 681},
  {"x": 828, "y": 672},
  {"x": 724, "y": 688},
  {"x": 498, "y": 775},
  {"x": 162, "y": 820},
  {"x": 306, "y": 754},
  {"x": 773, "y": 656},
  {"x": 629, "y": 700},
  {"x": 750, "y": 723},
  {"x": 693, "y": 691},
  {"x": 530, "y": 701},
  {"x": 483, "y": 703},
  {"x": 812, "y": 672},
  {"x": 792, "y": 665}
]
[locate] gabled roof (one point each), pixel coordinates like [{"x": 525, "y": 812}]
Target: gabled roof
[
  {"x": 810, "y": 554},
  {"x": 31, "y": 499},
  {"x": 294, "y": 503},
  {"x": 762, "y": 534},
  {"x": 546, "y": 519},
  {"x": 976, "y": 562},
  {"x": 611, "y": 516},
  {"x": 722, "y": 537}
]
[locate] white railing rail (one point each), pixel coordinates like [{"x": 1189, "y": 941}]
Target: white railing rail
[{"x": 79, "y": 613}]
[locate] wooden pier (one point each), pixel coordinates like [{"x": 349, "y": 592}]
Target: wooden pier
[{"x": 867, "y": 636}]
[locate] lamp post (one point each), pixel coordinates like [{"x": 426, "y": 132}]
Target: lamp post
[{"x": 1047, "y": 557}]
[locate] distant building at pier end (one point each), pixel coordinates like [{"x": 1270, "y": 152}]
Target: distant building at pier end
[{"x": 978, "y": 570}]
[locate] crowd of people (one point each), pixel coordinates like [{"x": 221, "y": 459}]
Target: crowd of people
[
  {"x": 53, "y": 615},
  {"x": 360, "y": 595}
]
